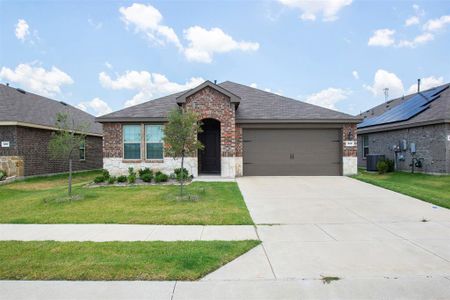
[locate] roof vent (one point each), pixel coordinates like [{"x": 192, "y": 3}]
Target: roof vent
[
  {"x": 63, "y": 103},
  {"x": 21, "y": 91}
]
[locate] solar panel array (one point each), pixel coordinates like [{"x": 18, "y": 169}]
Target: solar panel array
[{"x": 405, "y": 111}]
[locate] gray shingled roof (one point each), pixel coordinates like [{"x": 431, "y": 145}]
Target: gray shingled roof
[
  {"x": 255, "y": 105},
  {"x": 439, "y": 112},
  {"x": 34, "y": 109}
]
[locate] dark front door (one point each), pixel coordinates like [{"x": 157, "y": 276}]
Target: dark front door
[{"x": 209, "y": 157}]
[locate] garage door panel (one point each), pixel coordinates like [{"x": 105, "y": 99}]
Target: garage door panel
[{"x": 291, "y": 152}]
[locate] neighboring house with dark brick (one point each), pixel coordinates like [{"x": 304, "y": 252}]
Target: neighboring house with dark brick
[
  {"x": 27, "y": 122},
  {"x": 421, "y": 119},
  {"x": 246, "y": 131}
]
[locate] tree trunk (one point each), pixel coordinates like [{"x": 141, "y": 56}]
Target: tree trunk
[
  {"x": 70, "y": 177},
  {"x": 182, "y": 174}
]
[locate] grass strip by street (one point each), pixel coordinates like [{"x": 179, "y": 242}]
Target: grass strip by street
[
  {"x": 50, "y": 260},
  {"x": 38, "y": 201},
  {"x": 430, "y": 188}
]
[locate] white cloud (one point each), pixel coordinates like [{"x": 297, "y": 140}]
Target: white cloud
[
  {"x": 98, "y": 106},
  {"x": 329, "y": 97},
  {"x": 37, "y": 79},
  {"x": 415, "y": 19},
  {"x": 146, "y": 19},
  {"x": 426, "y": 83},
  {"x": 418, "y": 40},
  {"x": 22, "y": 30},
  {"x": 108, "y": 65},
  {"x": 412, "y": 21},
  {"x": 131, "y": 80},
  {"x": 329, "y": 9},
  {"x": 384, "y": 79},
  {"x": 148, "y": 85},
  {"x": 204, "y": 43},
  {"x": 382, "y": 38},
  {"x": 437, "y": 24},
  {"x": 355, "y": 74}
]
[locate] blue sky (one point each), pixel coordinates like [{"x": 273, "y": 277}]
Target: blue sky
[{"x": 104, "y": 55}]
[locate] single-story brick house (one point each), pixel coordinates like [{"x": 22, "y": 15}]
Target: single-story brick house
[
  {"x": 421, "y": 119},
  {"x": 27, "y": 122},
  {"x": 246, "y": 131}
]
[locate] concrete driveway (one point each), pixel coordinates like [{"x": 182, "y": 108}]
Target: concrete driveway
[{"x": 337, "y": 226}]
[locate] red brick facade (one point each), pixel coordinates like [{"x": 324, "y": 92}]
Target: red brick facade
[
  {"x": 32, "y": 145},
  {"x": 239, "y": 142},
  {"x": 349, "y": 131},
  {"x": 112, "y": 140},
  {"x": 209, "y": 103}
]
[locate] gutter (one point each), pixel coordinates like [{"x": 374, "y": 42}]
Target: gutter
[
  {"x": 238, "y": 121},
  {"x": 129, "y": 120},
  {"x": 31, "y": 125}
]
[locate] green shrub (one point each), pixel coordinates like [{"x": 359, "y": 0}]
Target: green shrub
[
  {"x": 161, "y": 177},
  {"x": 181, "y": 174},
  {"x": 172, "y": 176},
  {"x": 105, "y": 174},
  {"x": 99, "y": 179},
  {"x": 382, "y": 166},
  {"x": 131, "y": 172},
  {"x": 390, "y": 165},
  {"x": 158, "y": 173},
  {"x": 2, "y": 175},
  {"x": 112, "y": 179},
  {"x": 145, "y": 171},
  {"x": 122, "y": 178},
  {"x": 146, "y": 177},
  {"x": 132, "y": 178}
]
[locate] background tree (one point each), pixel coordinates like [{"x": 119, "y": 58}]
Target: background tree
[
  {"x": 180, "y": 136},
  {"x": 66, "y": 141}
]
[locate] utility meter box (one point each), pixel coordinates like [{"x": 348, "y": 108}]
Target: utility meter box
[
  {"x": 403, "y": 145},
  {"x": 412, "y": 148}
]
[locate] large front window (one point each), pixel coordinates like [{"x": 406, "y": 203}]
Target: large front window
[
  {"x": 154, "y": 141},
  {"x": 132, "y": 142}
]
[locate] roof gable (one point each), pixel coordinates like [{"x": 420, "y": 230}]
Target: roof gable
[{"x": 233, "y": 98}]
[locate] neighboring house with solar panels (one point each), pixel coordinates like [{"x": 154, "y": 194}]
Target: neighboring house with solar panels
[
  {"x": 27, "y": 122},
  {"x": 420, "y": 121}
]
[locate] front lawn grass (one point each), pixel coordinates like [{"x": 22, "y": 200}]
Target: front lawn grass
[
  {"x": 50, "y": 260},
  {"x": 43, "y": 201},
  {"x": 429, "y": 188}
]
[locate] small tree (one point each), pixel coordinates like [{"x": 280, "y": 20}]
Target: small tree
[
  {"x": 66, "y": 140},
  {"x": 180, "y": 136}
]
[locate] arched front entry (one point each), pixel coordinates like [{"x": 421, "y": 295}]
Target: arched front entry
[{"x": 209, "y": 157}]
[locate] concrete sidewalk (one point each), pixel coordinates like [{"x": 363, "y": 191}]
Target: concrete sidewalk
[
  {"x": 115, "y": 232},
  {"x": 349, "y": 288}
]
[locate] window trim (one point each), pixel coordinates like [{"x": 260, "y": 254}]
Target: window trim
[
  {"x": 145, "y": 145},
  {"x": 84, "y": 150},
  {"x": 365, "y": 144},
  {"x": 123, "y": 144}
]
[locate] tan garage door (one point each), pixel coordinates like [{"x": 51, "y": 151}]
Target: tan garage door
[{"x": 291, "y": 152}]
